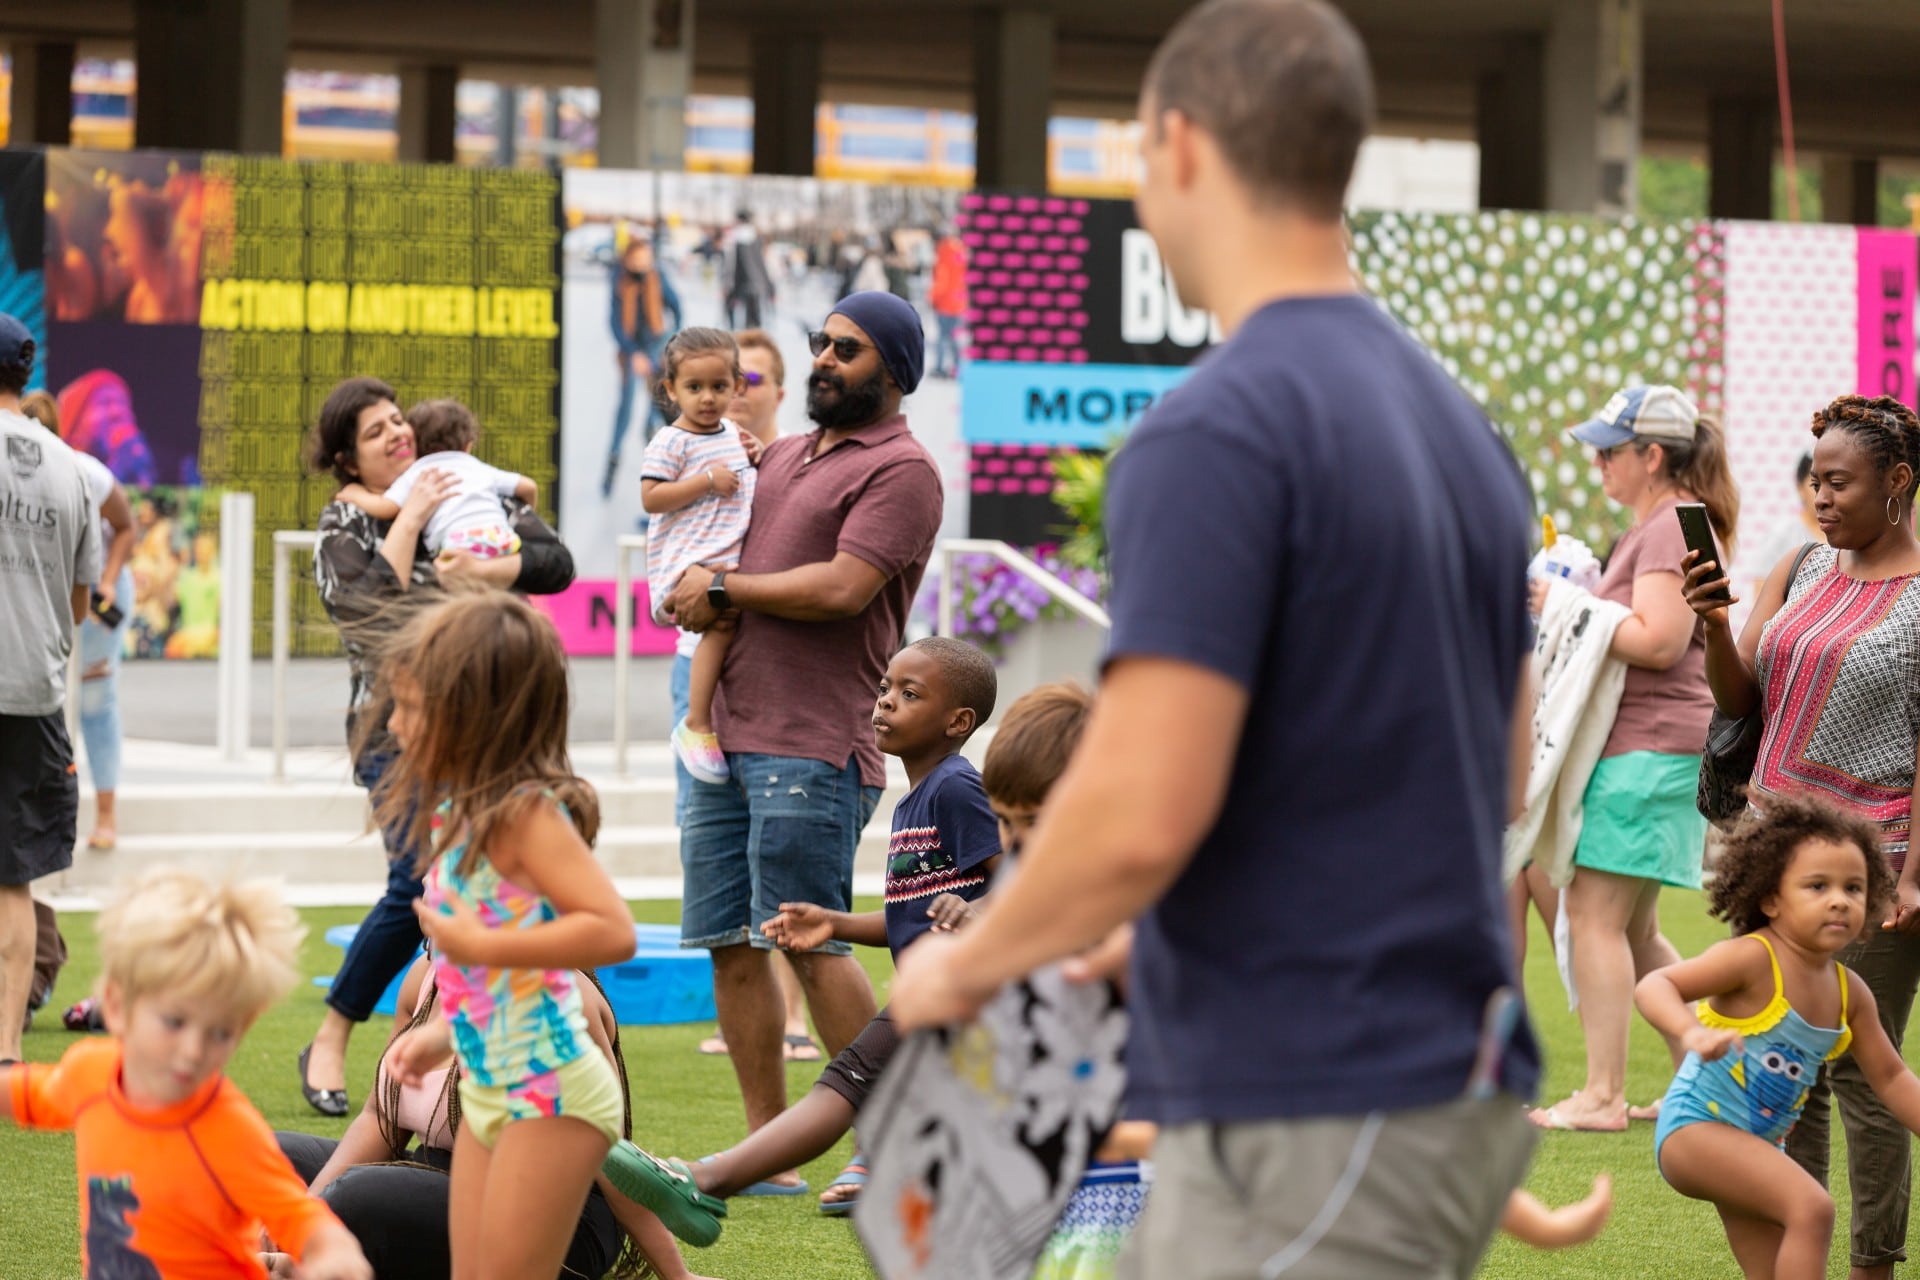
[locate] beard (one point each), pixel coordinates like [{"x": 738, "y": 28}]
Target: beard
[{"x": 832, "y": 404}]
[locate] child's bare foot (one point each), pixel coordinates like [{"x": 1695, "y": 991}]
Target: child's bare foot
[{"x": 1579, "y": 1114}]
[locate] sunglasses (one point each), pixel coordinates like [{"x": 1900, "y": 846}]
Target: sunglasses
[{"x": 845, "y": 350}]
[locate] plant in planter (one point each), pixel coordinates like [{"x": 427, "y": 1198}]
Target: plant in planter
[
  {"x": 996, "y": 603},
  {"x": 1080, "y": 490}
]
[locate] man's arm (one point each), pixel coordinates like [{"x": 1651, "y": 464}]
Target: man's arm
[
  {"x": 1144, "y": 788},
  {"x": 821, "y": 592}
]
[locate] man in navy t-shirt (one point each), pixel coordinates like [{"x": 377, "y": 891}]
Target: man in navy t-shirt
[{"x": 1303, "y": 755}]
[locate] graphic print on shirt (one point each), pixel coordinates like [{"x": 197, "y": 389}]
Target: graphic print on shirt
[
  {"x": 920, "y": 867},
  {"x": 110, "y": 1251}
]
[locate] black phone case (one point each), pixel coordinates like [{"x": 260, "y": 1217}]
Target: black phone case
[{"x": 1695, "y": 527}]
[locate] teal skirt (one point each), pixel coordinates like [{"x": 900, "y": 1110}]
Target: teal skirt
[{"x": 1640, "y": 819}]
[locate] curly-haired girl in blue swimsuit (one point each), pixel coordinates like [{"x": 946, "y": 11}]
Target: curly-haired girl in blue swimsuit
[{"x": 1760, "y": 1014}]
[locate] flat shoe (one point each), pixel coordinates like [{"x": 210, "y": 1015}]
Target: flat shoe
[
  {"x": 328, "y": 1102},
  {"x": 665, "y": 1187}
]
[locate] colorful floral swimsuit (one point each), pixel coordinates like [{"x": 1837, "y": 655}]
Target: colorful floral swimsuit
[
  {"x": 513, "y": 1028},
  {"x": 1762, "y": 1089}
]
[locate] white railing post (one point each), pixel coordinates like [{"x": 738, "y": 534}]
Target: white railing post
[
  {"x": 1020, "y": 563},
  {"x": 236, "y": 624},
  {"x": 943, "y": 614},
  {"x": 624, "y": 547},
  {"x": 285, "y": 543}
]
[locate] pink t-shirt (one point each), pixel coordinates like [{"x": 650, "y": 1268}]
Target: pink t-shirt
[
  {"x": 806, "y": 689},
  {"x": 1664, "y": 711}
]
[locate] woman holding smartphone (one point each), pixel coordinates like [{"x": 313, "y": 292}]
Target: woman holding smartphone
[
  {"x": 1641, "y": 829},
  {"x": 1831, "y": 658}
]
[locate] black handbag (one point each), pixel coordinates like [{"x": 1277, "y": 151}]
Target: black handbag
[{"x": 1733, "y": 747}]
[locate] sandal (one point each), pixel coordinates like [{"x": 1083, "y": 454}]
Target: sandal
[
  {"x": 801, "y": 1048},
  {"x": 854, "y": 1175},
  {"x": 666, "y": 1188}
]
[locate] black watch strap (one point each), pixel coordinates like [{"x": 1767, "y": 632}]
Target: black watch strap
[{"x": 717, "y": 591}]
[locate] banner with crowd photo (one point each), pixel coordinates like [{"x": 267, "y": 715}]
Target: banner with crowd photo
[
  {"x": 1076, "y": 330},
  {"x": 199, "y": 309},
  {"x": 647, "y": 254}
]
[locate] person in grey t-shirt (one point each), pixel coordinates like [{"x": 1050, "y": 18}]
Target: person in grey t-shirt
[{"x": 49, "y": 558}]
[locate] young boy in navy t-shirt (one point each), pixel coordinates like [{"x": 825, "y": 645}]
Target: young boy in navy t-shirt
[{"x": 944, "y": 848}]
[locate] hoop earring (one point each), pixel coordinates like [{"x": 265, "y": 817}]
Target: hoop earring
[{"x": 1893, "y": 509}]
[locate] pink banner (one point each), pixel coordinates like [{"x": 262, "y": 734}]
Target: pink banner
[
  {"x": 584, "y": 615},
  {"x": 1887, "y": 262}
]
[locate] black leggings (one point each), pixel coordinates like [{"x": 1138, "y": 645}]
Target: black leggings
[{"x": 398, "y": 1213}]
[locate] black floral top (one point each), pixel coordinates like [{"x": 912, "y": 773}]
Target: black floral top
[{"x": 356, "y": 582}]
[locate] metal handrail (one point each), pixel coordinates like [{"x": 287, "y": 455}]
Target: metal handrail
[
  {"x": 285, "y": 543},
  {"x": 1020, "y": 563},
  {"x": 624, "y": 547}
]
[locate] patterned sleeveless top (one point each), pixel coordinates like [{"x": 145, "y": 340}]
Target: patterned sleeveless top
[
  {"x": 510, "y": 1026},
  {"x": 1839, "y": 672}
]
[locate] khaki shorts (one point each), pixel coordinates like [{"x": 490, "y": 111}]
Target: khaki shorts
[
  {"x": 1396, "y": 1195},
  {"x": 585, "y": 1089}
]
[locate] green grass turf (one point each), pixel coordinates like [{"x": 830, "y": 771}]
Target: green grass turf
[{"x": 686, "y": 1104}]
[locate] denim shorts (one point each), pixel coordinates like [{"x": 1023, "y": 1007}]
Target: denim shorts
[{"x": 782, "y": 830}]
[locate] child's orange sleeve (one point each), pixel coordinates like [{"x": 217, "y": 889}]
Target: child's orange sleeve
[
  {"x": 48, "y": 1097},
  {"x": 245, "y": 1158}
]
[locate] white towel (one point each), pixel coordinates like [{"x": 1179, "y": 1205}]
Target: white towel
[{"x": 1578, "y": 684}]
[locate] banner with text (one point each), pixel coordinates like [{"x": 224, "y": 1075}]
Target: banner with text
[{"x": 201, "y": 308}]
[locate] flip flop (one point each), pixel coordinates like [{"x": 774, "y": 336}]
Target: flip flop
[
  {"x": 854, "y": 1175},
  {"x": 801, "y": 1049},
  {"x": 768, "y": 1187},
  {"x": 1550, "y": 1118},
  {"x": 665, "y": 1187},
  {"x": 102, "y": 844}
]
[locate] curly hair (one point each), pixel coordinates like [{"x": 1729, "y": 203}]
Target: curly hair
[
  {"x": 1756, "y": 856},
  {"x": 1885, "y": 428}
]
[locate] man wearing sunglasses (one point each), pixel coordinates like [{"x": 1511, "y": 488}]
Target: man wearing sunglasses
[{"x": 844, "y": 523}]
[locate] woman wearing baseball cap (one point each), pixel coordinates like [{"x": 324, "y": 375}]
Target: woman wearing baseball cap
[{"x": 1654, "y": 450}]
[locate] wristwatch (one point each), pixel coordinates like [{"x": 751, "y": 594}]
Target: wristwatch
[{"x": 717, "y": 593}]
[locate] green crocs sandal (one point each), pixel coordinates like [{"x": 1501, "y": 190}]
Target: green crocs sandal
[{"x": 665, "y": 1187}]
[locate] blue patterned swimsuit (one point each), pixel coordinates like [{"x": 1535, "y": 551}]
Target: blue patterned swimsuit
[{"x": 1763, "y": 1089}]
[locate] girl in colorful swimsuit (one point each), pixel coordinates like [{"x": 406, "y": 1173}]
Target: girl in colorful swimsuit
[
  {"x": 514, "y": 904},
  {"x": 1760, "y": 1015}
]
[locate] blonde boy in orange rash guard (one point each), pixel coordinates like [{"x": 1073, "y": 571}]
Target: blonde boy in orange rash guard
[{"x": 178, "y": 1172}]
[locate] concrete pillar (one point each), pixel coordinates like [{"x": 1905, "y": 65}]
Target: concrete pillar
[
  {"x": 1012, "y": 95},
  {"x": 427, "y": 114},
  {"x": 1740, "y": 158},
  {"x": 786, "y": 98},
  {"x": 41, "y": 98},
  {"x": 1592, "y": 65},
  {"x": 1510, "y": 126},
  {"x": 1850, "y": 190},
  {"x": 213, "y": 74},
  {"x": 643, "y": 59}
]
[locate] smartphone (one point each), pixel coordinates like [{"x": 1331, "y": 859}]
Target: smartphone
[
  {"x": 110, "y": 615},
  {"x": 1698, "y": 531}
]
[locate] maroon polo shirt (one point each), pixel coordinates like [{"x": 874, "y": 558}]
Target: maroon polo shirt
[{"x": 806, "y": 689}]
